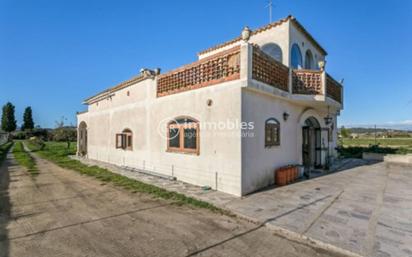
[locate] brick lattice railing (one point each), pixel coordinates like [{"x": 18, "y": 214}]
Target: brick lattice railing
[
  {"x": 307, "y": 82},
  {"x": 222, "y": 67},
  {"x": 267, "y": 70},
  {"x": 333, "y": 89}
]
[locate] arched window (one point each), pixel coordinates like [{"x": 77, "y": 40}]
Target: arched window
[
  {"x": 309, "y": 63},
  {"x": 272, "y": 132},
  {"x": 273, "y": 50},
  {"x": 183, "y": 135},
  {"x": 124, "y": 140},
  {"x": 296, "y": 57}
]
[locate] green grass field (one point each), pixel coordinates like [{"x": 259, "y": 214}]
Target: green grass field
[
  {"x": 58, "y": 153},
  {"x": 387, "y": 142},
  {"x": 24, "y": 158}
]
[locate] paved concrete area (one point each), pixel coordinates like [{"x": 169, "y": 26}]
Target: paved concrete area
[
  {"x": 62, "y": 213},
  {"x": 366, "y": 210}
]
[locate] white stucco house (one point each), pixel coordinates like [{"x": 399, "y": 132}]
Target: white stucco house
[{"x": 244, "y": 108}]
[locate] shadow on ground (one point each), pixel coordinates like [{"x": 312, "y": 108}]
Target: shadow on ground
[{"x": 4, "y": 208}]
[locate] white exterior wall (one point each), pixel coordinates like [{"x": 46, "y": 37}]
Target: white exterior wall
[
  {"x": 278, "y": 35},
  {"x": 217, "y": 165},
  {"x": 284, "y": 35},
  {"x": 258, "y": 161},
  {"x": 297, "y": 37}
]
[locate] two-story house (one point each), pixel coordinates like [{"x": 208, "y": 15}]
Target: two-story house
[{"x": 244, "y": 108}]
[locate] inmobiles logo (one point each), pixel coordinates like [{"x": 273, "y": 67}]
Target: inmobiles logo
[{"x": 169, "y": 128}]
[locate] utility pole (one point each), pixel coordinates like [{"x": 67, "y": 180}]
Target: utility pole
[
  {"x": 375, "y": 134},
  {"x": 270, "y": 10}
]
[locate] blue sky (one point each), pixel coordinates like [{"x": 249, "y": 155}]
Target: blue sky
[{"x": 54, "y": 54}]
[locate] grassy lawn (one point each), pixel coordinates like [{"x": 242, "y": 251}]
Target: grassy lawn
[
  {"x": 58, "y": 153},
  {"x": 24, "y": 158},
  {"x": 4, "y": 148}
]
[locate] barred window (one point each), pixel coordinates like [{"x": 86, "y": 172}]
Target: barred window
[{"x": 272, "y": 132}]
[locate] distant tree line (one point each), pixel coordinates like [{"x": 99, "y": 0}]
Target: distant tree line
[{"x": 62, "y": 132}]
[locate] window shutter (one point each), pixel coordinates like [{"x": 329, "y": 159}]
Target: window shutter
[
  {"x": 118, "y": 140},
  {"x": 129, "y": 141},
  {"x": 123, "y": 141}
]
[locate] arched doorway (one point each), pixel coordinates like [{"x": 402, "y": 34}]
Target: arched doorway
[
  {"x": 311, "y": 144},
  {"x": 82, "y": 135}
]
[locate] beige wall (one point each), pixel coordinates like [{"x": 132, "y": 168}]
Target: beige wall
[{"x": 218, "y": 163}]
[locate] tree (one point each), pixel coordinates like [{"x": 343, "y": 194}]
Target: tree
[
  {"x": 28, "y": 123},
  {"x": 344, "y": 132},
  {"x": 8, "y": 121},
  {"x": 64, "y": 133}
]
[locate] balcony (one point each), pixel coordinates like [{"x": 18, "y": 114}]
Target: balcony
[
  {"x": 248, "y": 63},
  {"x": 216, "y": 69},
  {"x": 295, "y": 82}
]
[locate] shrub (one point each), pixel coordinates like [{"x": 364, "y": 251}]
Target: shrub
[
  {"x": 356, "y": 151},
  {"x": 36, "y": 143}
]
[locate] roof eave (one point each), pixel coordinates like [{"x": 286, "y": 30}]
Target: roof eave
[
  {"x": 106, "y": 93},
  {"x": 264, "y": 28}
]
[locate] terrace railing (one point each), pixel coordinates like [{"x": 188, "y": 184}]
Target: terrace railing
[
  {"x": 212, "y": 70},
  {"x": 256, "y": 65},
  {"x": 334, "y": 89},
  {"x": 268, "y": 70},
  {"x": 307, "y": 82}
]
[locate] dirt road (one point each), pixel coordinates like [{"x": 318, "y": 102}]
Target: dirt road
[{"x": 62, "y": 213}]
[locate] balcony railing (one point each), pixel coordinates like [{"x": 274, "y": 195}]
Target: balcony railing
[
  {"x": 268, "y": 70},
  {"x": 333, "y": 89},
  {"x": 216, "y": 69},
  {"x": 257, "y": 66},
  {"x": 306, "y": 82}
]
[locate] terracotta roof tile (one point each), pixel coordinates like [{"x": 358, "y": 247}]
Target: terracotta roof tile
[{"x": 266, "y": 27}]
